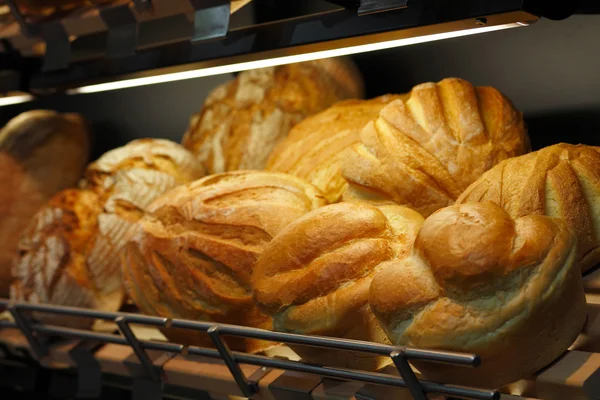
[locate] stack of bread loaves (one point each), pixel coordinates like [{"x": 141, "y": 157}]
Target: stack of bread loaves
[
  {"x": 242, "y": 120},
  {"x": 41, "y": 153},
  {"x": 70, "y": 253}
]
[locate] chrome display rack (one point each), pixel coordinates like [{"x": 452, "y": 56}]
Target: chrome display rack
[{"x": 419, "y": 389}]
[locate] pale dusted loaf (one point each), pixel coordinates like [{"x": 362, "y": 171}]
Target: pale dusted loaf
[
  {"x": 242, "y": 120},
  {"x": 193, "y": 254},
  {"x": 561, "y": 181},
  {"x": 41, "y": 153},
  {"x": 315, "y": 148},
  {"x": 424, "y": 151},
  {"x": 119, "y": 186},
  {"x": 481, "y": 282},
  {"x": 314, "y": 277}
]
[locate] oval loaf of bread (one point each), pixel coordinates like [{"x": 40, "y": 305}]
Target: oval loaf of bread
[
  {"x": 481, "y": 282},
  {"x": 193, "y": 254},
  {"x": 242, "y": 120},
  {"x": 314, "y": 277},
  {"x": 561, "y": 181},
  {"x": 41, "y": 153},
  {"x": 423, "y": 151},
  {"x": 90, "y": 226}
]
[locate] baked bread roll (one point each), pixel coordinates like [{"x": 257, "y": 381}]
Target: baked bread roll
[
  {"x": 242, "y": 120},
  {"x": 314, "y": 277},
  {"x": 423, "y": 152},
  {"x": 481, "y": 282},
  {"x": 561, "y": 181},
  {"x": 192, "y": 255},
  {"x": 315, "y": 148},
  {"x": 41, "y": 153},
  {"x": 76, "y": 240}
]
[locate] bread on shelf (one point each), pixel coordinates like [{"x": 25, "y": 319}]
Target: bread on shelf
[
  {"x": 479, "y": 281},
  {"x": 41, "y": 153},
  {"x": 423, "y": 151},
  {"x": 314, "y": 277},
  {"x": 192, "y": 255},
  {"x": 316, "y": 148},
  {"x": 561, "y": 181},
  {"x": 70, "y": 254},
  {"x": 242, "y": 120}
]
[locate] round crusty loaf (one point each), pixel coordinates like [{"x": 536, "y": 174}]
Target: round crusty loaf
[
  {"x": 192, "y": 255},
  {"x": 242, "y": 120},
  {"x": 41, "y": 153},
  {"x": 314, "y": 277},
  {"x": 480, "y": 282},
  {"x": 561, "y": 181},
  {"x": 119, "y": 186},
  {"x": 424, "y": 151},
  {"x": 315, "y": 148}
]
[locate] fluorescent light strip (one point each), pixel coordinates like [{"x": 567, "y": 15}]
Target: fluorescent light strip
[
  {"x": 243, "y": 66},
  {"x": 6, "y": 101}
]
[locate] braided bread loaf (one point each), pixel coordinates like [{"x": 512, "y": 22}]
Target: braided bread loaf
[
  {"x": 481, "y": 282},
  {"x": 242, "y": 120},
  {"x": 70, "y": 253},
  {"x": 316, "y": 147},
  {"x": 561, "y": 181},
  {"x": 314, "y": 277},
  {"x": 193, "y": 254},
  {"x": 424, "y": 151}
]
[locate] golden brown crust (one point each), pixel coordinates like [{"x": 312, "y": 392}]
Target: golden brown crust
[
  {"x": 559, "y": 181},
  {"x": 41, "y": 153},
  {"x": 192, "y": 256},
  {"x": 242, "y": 120},
  {"x": 425, "y": 150},
  {"x": 313, "y": 278},
  {"x": 480, "y": 282},
  {"x": 315, "y": 148},
  {"x": 120, "y": 185}
]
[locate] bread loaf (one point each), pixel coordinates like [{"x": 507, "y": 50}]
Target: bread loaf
[
  {"x": 481, "y": 282},
  {"x": 314, "y": 277},
  {"x": 561, "y": 181},
  {"x": 315, "y": 148},
  {"x": 78, "y": 238},
  {"x": 424, "y": 151},
  {"x": 192, "y": 255},
  {"x": 41, "y": 153},
  {"x": 242, "y": 120}
]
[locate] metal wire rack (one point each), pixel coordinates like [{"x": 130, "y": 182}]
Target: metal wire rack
[{"x": 400, "y": 356}]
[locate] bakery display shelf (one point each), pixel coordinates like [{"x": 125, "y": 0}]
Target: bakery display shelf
[
  {"x": 128, "y": 343},
  {"x": 175, "y": 38}
]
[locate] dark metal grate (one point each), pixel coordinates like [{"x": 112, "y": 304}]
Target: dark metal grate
[{"x": 399, "y": 355}]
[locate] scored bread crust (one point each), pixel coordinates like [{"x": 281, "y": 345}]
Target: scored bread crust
[
  {"x": 424, "y": 151},
  {"x": 242, "y": 120},
  {"x": 316, "y": 147},
  {"x": 313, "y": 278},
  {"x": 480, "y": 282},
  {"x": 561, "y": 181},
  {"x": 41, "y": 153},
  {"x": 193, "y": 254},
  {"x": 118, "y": 188}
]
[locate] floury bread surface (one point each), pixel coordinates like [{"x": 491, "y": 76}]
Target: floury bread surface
[
  {"x": 480, "y": 282},
  {"x": 193, "y": 254},
  {"x": 241, "y": 121},
  {"x": 70, "y": 254}
]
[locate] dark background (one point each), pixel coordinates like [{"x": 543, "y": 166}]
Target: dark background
[{"x": 551, "y": 71}]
